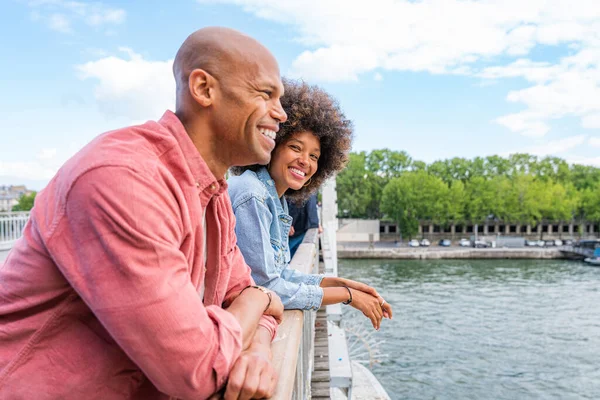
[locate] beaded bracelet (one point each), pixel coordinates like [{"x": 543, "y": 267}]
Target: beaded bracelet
[
  {"x": 350, "y": 299},
  {"x": 262, "y": 289}
]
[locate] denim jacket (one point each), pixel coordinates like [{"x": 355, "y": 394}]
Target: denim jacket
[{"x": 262, "y": 227}]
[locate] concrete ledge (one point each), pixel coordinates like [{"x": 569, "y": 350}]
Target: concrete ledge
[
  {"x": 339, "y": 361},
  {"x": 431, "y": 254}
]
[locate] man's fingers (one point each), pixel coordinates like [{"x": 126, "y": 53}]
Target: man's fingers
[
  {"x": 266, "y": 387},
  {"x": 273, "y": 385},
  {"x": 251, "y": 383},
  {"x": 236, "y": 380}
]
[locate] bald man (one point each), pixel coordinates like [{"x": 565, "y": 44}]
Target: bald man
[{"x": 127, "y": 282}]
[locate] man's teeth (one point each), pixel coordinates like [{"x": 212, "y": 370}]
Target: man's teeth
[
  {"x": 268, "y": 133},
  {"x": 297, "y": 171}
]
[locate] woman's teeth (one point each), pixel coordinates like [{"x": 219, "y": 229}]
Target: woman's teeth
[
  {"x": 268, "y": 133},
  {"x": 297, "y": 171}
]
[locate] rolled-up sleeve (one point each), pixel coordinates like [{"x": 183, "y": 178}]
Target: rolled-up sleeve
[
  {"x": 241, "y": 278},
  {"x": 118, "y": 246},
  {"x": 253, "y": 219}
]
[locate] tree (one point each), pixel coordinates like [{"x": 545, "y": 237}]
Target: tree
[
  {"x": 358, "y": 190},
  {"x": 454, "y": 207},
  {"x": 590, "y": 203},
  {"x": 388, "y": 163},
  {"x": 25, "y": 202},
  {"x": 414, "y": 196}
]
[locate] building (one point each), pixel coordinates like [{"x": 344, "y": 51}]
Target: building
[
  {"x": 9, "y": 196},
  {"x": 544, "y": 230}
]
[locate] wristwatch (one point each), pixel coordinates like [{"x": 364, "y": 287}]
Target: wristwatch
[{"x": 264, "y": 290}]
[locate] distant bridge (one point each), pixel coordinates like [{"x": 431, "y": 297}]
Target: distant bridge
[{"x": 584, "y": 250}]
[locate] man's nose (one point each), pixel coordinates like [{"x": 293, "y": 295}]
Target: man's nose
[{"x": 278, "y": 112}]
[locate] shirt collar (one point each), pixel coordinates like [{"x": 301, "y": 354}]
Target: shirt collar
[
  {"x": 203, "y": 176},
  {"x": 265, "y": 178}
]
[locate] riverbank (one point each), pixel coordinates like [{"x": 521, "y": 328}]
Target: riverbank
[{"x": 453, "y": 253}]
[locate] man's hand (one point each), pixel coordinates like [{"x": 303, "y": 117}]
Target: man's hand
[
  {"x": 292, "y": 230},
  {"x": 252, "y": 376}
]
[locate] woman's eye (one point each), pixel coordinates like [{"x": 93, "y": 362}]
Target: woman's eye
[
  {"x": 294, "y": 147},
  {"x": 267, "y": 92},
  {"x": 314, "y": 157}
]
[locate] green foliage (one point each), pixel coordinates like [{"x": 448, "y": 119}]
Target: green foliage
[
  {"x": 518, "y": 189},
  {"x": 413, "y": 196},
  {"x": 25, "y": 202},
  {"x": 359, "y": 190}
]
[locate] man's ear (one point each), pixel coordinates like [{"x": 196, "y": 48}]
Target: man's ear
[{"x": 202, "y": 87}]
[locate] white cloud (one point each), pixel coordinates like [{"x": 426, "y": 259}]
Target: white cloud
[
  {"x": 378, "y": 76},
  {"x": 570, "y": 88},
  {"x": 60, "y": 23},
  {"x": 595, "y": 141},
  {"x": 348, "y": 38},
  {"x": 60, "y": 15},
  {"x": 33, "y": 170},
  {"x": 132, "y": 87},
  {"x": 554, "y": 147},
  {"x": 591, "y": 121},
  {"x": 47, "y": 154},
  {"x": 593, "y": 161}
]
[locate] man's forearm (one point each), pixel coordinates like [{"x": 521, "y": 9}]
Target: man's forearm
[
  {"x": 247, "y": 308},
  {"x": 262, "y": 340}
]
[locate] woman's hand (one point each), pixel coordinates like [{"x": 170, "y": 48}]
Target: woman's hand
[
  {"x": 329, "y": 281},
  {"x": 369, "y": 305}
]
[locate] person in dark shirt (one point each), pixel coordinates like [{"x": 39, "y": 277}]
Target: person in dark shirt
[{"x": 305, "y": 217}]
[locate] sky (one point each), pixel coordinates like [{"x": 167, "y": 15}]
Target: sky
[{"x": 435, "y": 78}]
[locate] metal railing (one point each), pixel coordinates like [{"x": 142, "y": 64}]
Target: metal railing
[
  {"x": 11, "y": 226},
  {"x": 293, "y": 348}
]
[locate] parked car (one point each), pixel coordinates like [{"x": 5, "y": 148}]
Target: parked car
[
  {"x": 413, "y": 243},
  {"x": 531, "y": 243},
  {"x": 425, "y": 243},
  {"x": 558, "y": 242},
  {"x": 464, "y": 243},
  {"x": 481, "y": 244},
  {"x": 445, "y": 243},
  {"x": 549, "y": 243},
  {"x": 541, "y": 243},
  {"x": 568, "y": 242}
]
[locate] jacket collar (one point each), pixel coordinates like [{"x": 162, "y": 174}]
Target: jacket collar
[{"x": 264, "y": 176}]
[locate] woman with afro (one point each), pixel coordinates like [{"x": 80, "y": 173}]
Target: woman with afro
[{"x": 311, "y": 146}]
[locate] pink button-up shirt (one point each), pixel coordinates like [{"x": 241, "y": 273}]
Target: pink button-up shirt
[{"x": 99, "y": 298}]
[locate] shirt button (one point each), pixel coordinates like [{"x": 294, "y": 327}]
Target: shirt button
[
  {"x": 197, "y": 184},
  {"x": 213, "y": 187}
]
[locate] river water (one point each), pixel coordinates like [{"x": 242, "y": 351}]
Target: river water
[{"x": 485, "y": 329}]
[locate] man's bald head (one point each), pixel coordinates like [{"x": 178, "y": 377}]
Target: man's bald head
[{"x": 221, "y": 52}]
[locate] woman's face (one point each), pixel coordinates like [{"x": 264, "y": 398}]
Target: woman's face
[{"x": 295, "y": 161}]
